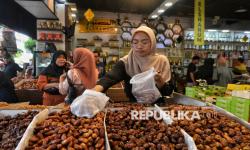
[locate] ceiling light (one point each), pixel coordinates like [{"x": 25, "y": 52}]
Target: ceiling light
[
  {"x": 73, "y": 9},
  {"x": 247, "y": 32},
  {"x": 168, "y": 4},
  {"x": 154, "y": 16},
  {"x": 242, "y": 10},
  {"x": 61, "y": 1},
  {"x": 211, "y": 30},
  {"x": 73, "y": 15},
  {"x": 161, "y": 11},
  {"x": 225, "y": 31}
]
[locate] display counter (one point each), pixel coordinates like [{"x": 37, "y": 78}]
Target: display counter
[{"x": 34, "y": 96}]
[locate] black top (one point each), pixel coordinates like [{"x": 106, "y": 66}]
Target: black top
[
  {"x": 206, "y": 71},
  {"x": 11, "y": 70},
  {"x": 191, "y": 69},
  {"x": 118, "y": 74},
  {"x": 7, "y": 89}
]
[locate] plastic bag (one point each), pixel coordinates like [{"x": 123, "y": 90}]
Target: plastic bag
[
  {"x": 89, "y": 104},
  {"x": 143, "y": 87}
]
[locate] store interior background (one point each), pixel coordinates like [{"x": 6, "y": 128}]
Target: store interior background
[{"x": 220, "y": 16}]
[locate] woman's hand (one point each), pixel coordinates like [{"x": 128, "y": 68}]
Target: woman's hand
[
  {"x": 69, "y": 64},
  {"x": 50, "y": 85},
  {"x": 159, "y": 80},
  {"x": 98, "y": 88},
  {"x": 62, "y": 77}
]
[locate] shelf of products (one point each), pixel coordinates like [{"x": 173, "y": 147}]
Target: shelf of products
[{"x": 219, "y": 40}]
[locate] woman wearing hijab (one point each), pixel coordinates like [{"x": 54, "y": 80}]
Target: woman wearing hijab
[
  {"x": 83, "y": 73},
  {"x": 7, "y": 89},
  {"x": 141, "y": 58},
  {"x": 48, "y": 80}
]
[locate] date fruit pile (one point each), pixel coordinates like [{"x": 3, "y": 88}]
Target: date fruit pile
[
  {"x": 126, "y": 133},
  {"x": 13, "y": 128},
  {"x": 65, "y": 131},
  {"x": 214, "y": 130}
]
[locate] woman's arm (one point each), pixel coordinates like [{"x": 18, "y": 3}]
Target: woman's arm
[
  {"x": 43, "y": 84},
  {"x": 116, "y": 75}
]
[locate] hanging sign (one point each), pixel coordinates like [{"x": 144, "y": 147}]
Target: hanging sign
[
  {"x": 199, "y": 22},
  {"x": 89, "y": 15}
]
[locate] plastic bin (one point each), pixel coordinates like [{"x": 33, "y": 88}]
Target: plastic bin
[
  {"x": 241, "y": 108},
  {"x": 190, "y": 92},
  {"x": 224, "y": 102}
]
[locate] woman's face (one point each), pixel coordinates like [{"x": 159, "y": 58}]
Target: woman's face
[
  {"x": 60, "y": 61},
  {"x": 2, "y": 53},
  {"x": 141, "y": 44},
  {"x": 222, "y": 60}
]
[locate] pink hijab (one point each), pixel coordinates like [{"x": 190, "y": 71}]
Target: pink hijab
[{"x": 84, "y": 62}]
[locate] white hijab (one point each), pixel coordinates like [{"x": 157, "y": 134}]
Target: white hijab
[{"x": 136, "y": 64}]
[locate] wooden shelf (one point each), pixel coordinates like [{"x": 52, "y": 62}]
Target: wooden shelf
[
  {"x": 57, "y": 41},
  {"x": 215, "y": 50},
  {"x": 47, "y": 29}
]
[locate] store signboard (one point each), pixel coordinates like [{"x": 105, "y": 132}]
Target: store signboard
[
  {"x": 199, "y": 22},
  {"x": 99, "y": 25}
]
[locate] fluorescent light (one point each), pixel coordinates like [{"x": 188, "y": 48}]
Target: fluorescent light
[
  {"x": 161, "y": 11},
  {"x": 225, "y": 31},
  {"x": 168, "y": 4},
  {"x": 211, "y": 30},
  {"x": 247, "y": 32},
  {"x": 154, "y": 16},
  {"x": 73, "y": 9},
  {"x": 240, "y": 10},
  {"x": 73, "y": 15}
]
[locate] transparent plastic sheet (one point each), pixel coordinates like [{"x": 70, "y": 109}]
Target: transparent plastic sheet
[
  {"x": 29, "y": 131},
  {"x": 106, "y": 134},
  {"x": 143, "y": 87},
  {"x": 168, "y": 120},
  {"x": 189, "y": 140},
  {"x": 89, "y": 104}
]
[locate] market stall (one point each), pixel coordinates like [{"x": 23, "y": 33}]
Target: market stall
[
  {"x": 198, "y": 117},
  {"x": 62, "y": 126}
]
